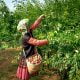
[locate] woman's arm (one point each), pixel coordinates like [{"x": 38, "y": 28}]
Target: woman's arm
[
  {"x": 37, "y": 22},
  {"x": 36, "y": 42}
]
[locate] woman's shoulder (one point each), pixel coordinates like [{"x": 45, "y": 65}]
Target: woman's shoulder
[{"x": 26, "y": 36}]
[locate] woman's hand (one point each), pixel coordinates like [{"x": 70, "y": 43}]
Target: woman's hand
[{"x": 37, "y": 22}]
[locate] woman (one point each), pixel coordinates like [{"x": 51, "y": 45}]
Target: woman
[{"x": 30, "y": 59}]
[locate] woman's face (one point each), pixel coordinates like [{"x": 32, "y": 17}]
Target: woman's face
[{"x": 22, "y": 30}]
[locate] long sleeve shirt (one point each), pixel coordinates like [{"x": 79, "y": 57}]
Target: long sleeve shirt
[{"x": 29, "y": 42}]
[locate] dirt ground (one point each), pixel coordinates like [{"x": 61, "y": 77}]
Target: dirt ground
[{"x": 8, "y": 66}]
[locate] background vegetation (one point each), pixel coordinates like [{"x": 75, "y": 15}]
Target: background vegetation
[{"x": 61, "y": 27}]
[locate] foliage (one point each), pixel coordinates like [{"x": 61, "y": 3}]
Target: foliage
[{"x": 61, "y": 27}]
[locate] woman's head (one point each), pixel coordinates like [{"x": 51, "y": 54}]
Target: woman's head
[{"x": 23, "y": 24}]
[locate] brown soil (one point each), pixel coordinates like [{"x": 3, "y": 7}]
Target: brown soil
[{"x": 8, "y": 69}]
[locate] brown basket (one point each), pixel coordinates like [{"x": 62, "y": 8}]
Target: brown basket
[{"x": 33, "y": 63}]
